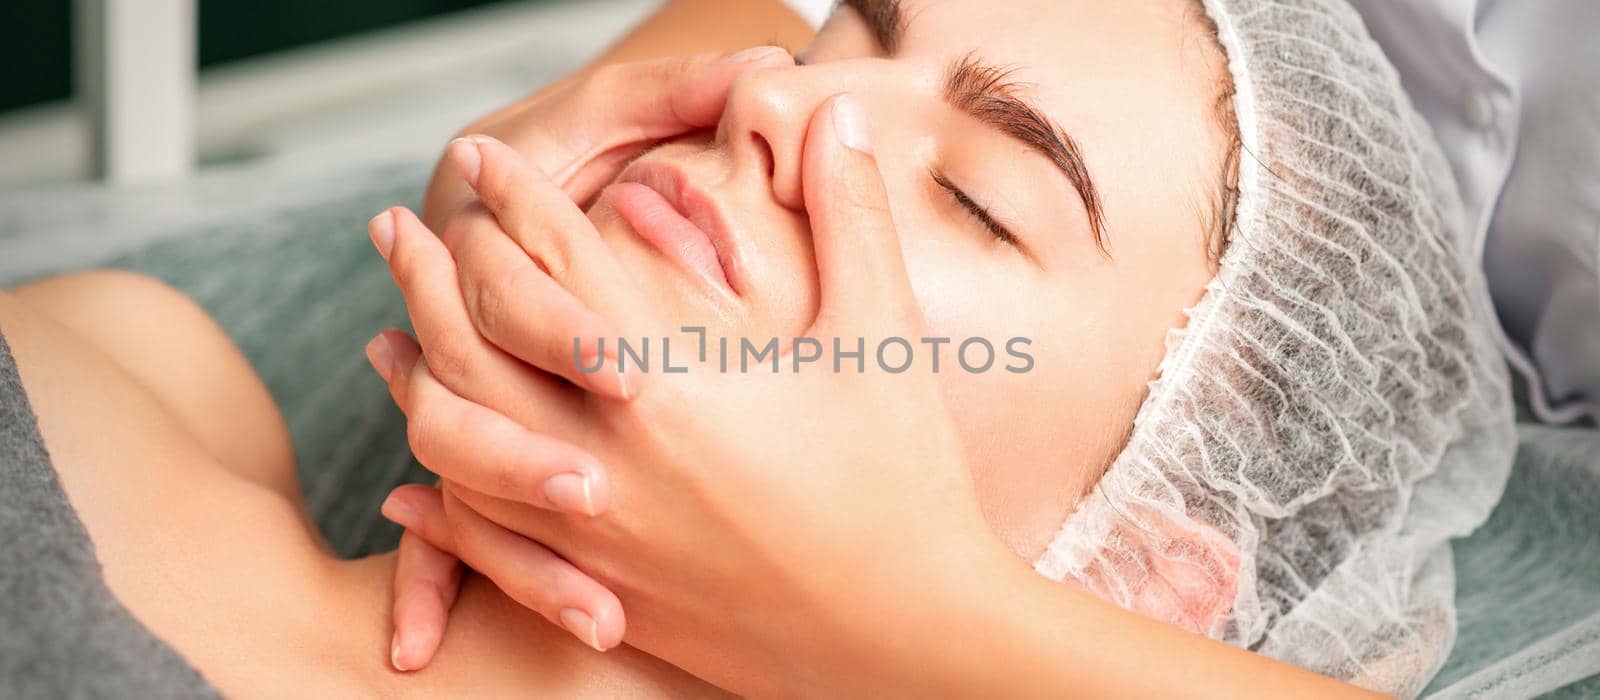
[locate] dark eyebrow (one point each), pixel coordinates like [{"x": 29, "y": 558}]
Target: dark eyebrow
[{"x": 986, "y": 93}]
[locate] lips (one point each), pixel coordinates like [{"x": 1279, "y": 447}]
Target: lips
[{"x": 681, "y": 221}]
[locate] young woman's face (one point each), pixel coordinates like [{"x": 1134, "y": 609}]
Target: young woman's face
[{"x": 965, "y": 99}]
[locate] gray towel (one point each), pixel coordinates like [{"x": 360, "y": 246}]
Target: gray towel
[{"x": 62, "y": 633}]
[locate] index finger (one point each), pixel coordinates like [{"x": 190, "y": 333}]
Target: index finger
[
  {"x": 626, "y": 104},
  {"x": 535, "y": 577},
  {"x": 515, "y": 305}
]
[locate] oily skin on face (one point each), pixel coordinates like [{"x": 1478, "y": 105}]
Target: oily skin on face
[{"x": 1134, "y": 84}]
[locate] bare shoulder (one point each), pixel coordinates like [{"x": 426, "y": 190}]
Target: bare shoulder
[{"x": 217, "y": 565}]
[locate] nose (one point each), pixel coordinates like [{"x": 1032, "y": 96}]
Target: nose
[{"x": 767, "y": 114}]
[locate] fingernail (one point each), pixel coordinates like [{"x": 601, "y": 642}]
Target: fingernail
[
  {"x": 580, "y": 624},
  {"x": 570, "y": 492},
  {"x": 381, "y": 356},
  {"x": 381, "y": 228},
  {"x": 400, "y": 512},
  {"x": 850, "y": 123},
  {"x": 760, "y": 54},
  {"x": 464, "y": 152},
  {"x": 394, "y": 654}
]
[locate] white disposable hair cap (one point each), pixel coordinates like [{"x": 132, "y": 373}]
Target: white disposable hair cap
[{"x": 1335, "y": 410}]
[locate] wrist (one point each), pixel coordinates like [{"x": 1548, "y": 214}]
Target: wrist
[
  {"x": 1009, "y": 631},
  {"x": 938, "y": 626},
  {"x": 983, "y": 623},
  {"x": 991, "y": 619}
]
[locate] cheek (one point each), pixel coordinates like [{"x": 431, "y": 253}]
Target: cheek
[
  {"x": 1035, "y": 441},
  {"x": 965, "y": 287},
  {"x": 1031, "y": 447}
]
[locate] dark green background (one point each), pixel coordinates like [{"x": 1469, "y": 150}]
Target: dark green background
[{"x": 36, "y": 35}]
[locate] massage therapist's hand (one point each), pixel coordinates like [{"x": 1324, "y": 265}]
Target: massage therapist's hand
[
  {"x": 578, "y": 135},
  {"x": 763, "y": 530}
]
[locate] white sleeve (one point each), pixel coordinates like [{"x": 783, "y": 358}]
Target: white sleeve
[
  {"x": 813, "y": 11},
  {"x": 1511, "y": 94}
]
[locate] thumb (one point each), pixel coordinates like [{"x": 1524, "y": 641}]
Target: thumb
[{"x": 864, "y": 287}]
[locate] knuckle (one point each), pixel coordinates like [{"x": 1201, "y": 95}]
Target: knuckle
[
  {"x": 567, "y": 579},
  {"x": 423, "y": 433},
  {"x": 423, "y": 585},
  {"x": 536, "y": 595},
  {"x": 448, "y": 352},
  {"x": 493, "y": 299},
  {"x": 554, "y": 253},
  {"x": 694, "y": 66},
  {"x": 497, "y": 180},
  {"x": 544, "y": 246},
  {"x": 546, "y": 243},
  {"x": 405, "y": 265},
  {"x": 460, "y": 532},
  {"x": 682, "y": 71},
  {"x": 506, "y": 479}
]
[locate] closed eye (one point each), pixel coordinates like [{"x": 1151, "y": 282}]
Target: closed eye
[{"x": 978, "y": 212}]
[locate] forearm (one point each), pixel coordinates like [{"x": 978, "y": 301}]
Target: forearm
[
  {"x": 1015, "y": 633},
  {"x": 679, "y": 27}
]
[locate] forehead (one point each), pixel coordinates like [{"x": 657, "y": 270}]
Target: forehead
[
  {"x": 1119, "y": 55},
  {"x": 1135, "y": 82}
]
